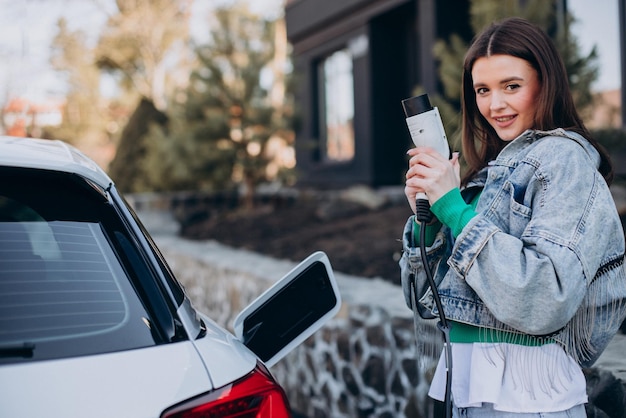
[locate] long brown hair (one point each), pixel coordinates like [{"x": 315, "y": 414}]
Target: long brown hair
[{"x": 555, "y": 105}]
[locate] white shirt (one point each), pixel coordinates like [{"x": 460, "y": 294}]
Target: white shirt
[{"x": 514, "y": 378}]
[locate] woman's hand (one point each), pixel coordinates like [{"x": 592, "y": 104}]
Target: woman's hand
[{"x": 430, "y": 173}]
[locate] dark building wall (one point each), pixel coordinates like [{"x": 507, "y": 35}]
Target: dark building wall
[
  {"x": 392, "y": 42},
  {"x": 394, "y": 75},
  {"x": 317, "y": 28},
  {"x": 312, "y": 168}
]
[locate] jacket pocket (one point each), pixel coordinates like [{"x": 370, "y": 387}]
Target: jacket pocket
[{"x": 519, "y": 214}]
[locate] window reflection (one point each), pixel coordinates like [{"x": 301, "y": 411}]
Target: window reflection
[{"x": 339, "y": 106}]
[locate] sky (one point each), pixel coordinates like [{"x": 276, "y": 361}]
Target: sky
[
  {"x": 27, "y": 27},
  {"x": 26, "y": 31}
]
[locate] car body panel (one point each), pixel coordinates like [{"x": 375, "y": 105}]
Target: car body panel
[
  {"x": 185, "y": 369},
  {"x": 225, "y": 357},
  {"x": 136, "y": 383},
  {"x": 50, "y": 155}
]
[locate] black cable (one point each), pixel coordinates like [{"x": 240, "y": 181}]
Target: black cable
[
  {"x": 422, "y": 210},
  {"x": 424, "y": 215}
]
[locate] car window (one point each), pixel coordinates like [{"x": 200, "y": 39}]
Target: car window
[
  {"x": 174, "y": 286},
  {"x": 65, "y": 289}
]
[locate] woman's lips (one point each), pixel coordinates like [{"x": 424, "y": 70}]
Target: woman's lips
[{"x": 504, "y": 121}]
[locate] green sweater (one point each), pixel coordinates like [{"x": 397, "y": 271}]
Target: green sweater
[{"x": 451, "y": 210}]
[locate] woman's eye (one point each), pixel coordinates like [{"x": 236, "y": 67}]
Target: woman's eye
[
  {"x": 512, "y": 86},
  {"x": 481, "y": 90}
]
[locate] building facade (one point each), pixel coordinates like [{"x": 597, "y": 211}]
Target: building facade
[{"x": 355, "y": 61}]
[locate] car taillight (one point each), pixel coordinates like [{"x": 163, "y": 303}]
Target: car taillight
[{"x": 256, "y": 395}]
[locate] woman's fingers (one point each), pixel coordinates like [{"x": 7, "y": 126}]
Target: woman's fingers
[{"x": 431, "y": 173}]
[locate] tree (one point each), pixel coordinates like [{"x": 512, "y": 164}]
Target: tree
[
  {"x": 582, "y": 70},
  {"x": 128, "y": 168},
  {"x": 143, "y": 47},
  {"x": 139, "y": 43},
  {"x": 224, "y": 129},
  {"x": 83, "y": 119}
]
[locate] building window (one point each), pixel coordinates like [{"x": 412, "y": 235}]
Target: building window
[{"x": 337, "y": 125}]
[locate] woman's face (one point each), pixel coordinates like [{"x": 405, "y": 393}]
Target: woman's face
[{"x": 506, "y": 90}]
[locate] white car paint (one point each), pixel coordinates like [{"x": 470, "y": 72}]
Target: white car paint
[
  {"x": 51, "y": 155},
  {"x": 124, "y": 384},
  {"x": 225, "y": 357},
  {"x": 185, "y": 369}
]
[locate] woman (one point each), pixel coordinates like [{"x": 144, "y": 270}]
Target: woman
[{"x": 527, "y": 249}]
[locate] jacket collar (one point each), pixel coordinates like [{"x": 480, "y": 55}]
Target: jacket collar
[{"x": 529, "y": 136}]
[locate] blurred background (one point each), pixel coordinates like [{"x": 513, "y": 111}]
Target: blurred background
[{"x": 208, "y": 95}]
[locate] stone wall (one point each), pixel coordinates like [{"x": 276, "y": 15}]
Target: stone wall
[{"x": 361, "y": 365}]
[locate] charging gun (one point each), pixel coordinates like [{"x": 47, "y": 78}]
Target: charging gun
[{"x": 426, "y": 129}]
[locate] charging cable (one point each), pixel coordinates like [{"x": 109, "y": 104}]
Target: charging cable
[{"x": 424, "y": 215}]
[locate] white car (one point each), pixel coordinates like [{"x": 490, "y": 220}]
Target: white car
[{"x": 94, "y": 324}]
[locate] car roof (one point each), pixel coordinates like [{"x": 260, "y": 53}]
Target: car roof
[{"x": 49, "y": 154}]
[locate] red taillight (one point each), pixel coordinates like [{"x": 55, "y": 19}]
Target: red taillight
[{"x": 256, "y": 395}]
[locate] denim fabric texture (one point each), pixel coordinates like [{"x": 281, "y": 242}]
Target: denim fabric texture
[{"x": 543, "y": 257}]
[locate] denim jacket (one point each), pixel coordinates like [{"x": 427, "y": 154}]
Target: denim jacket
[{"x": 545, "y": 254}]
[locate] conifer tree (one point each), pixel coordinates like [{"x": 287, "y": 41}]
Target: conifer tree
[{"x": 219, "y": 136}]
